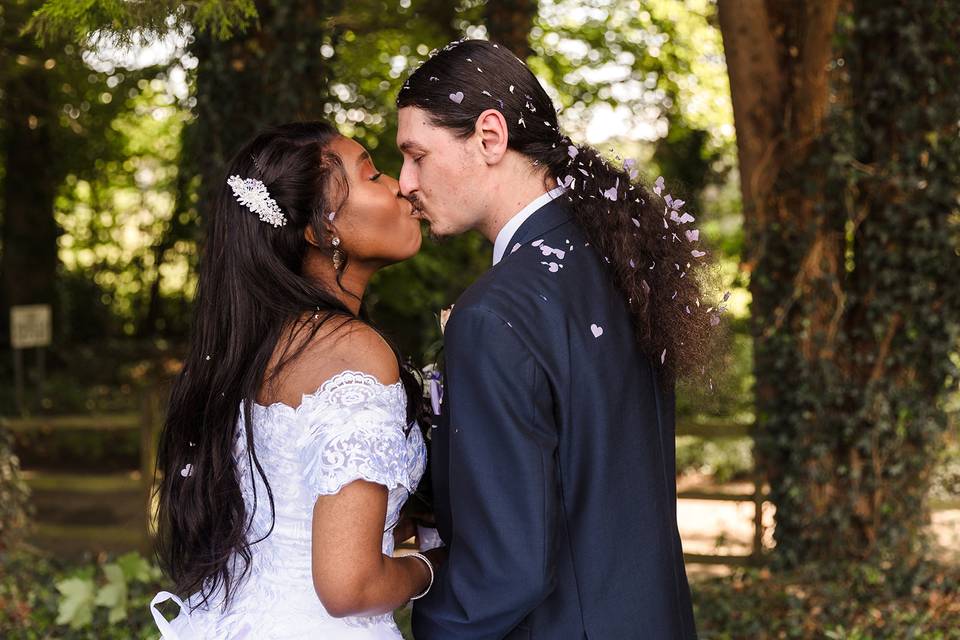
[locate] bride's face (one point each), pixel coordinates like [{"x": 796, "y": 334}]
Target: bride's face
[{"x": 376, "y": 225}]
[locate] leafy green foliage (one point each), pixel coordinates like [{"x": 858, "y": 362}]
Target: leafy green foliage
[
  {"x": 128, "y": 21},
  {"x": 82, "y": 595},
  {"x": 809, "y": 604},
  {"x": 14, "y": 495},
  {"x": 102, "y": 599}
]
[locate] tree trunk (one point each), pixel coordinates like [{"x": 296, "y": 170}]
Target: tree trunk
[
  {"x": 848, "y": 248},
  {"x": 29, "y": 261},
  {"x": 777, "y": 57},
  {"x": 509, "y": 24}
]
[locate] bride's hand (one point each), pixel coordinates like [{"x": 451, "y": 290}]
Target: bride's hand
[
  {"x": 406, "y": 528},
  {"x": 436, "y": 556}
]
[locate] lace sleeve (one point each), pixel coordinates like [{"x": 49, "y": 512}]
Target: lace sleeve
[{"x": 354, "y": 430}]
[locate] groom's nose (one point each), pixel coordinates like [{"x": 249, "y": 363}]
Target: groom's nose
[{"x": 408, "y": 184}]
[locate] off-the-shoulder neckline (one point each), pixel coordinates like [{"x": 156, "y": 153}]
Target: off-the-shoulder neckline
[{"x": 335, "y": 381}]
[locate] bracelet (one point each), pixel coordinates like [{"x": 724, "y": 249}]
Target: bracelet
[{"x": 430, "y": 569}]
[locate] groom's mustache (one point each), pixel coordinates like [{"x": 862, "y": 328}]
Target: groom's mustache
[{"x": 415, "y": 201}]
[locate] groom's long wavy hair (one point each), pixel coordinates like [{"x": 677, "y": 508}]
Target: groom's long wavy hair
[
  {"x": 252, "y": 293},
  {"x": 649, "y": 254}
]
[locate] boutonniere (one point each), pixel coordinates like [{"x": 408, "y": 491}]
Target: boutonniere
[
  {"x": 444, "y": 316},
  {"x": 433, "y": 373}
]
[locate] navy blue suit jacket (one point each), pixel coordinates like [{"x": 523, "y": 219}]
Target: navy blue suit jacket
[{"x": 553, "y": 460}]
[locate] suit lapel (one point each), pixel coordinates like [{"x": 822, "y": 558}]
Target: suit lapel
[{"x": 546, "y": 218}]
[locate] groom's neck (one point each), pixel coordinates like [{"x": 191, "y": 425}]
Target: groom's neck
[{"x": 512, "y": 188}]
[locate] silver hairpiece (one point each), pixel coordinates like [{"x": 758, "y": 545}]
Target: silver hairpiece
[{"x": 253, "y": 194}]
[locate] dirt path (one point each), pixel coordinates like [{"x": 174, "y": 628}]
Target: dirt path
[{"x": 715, "y": 527}]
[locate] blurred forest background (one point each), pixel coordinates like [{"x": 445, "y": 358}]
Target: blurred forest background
[{"x": 817, "y": 141}]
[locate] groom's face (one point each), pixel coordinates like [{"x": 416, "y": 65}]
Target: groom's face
[{"x": 441, "y": 174}]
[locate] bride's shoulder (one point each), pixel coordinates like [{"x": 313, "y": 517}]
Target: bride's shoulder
[
  {"x": 358, "y": 347},
  {"x": 352, "y": 346}
]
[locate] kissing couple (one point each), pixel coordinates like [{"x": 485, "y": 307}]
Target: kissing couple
[{"x": 296, "y": 432}]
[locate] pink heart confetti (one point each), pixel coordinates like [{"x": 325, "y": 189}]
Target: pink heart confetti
[
  {"x": 596, "y": 330},
  {"x": 692, "y": 234},
  {"x": 698, "y": 254},
  {"x": 187, "y": 470},
  {"x": 457, "y": 97},
  {"x": 663, "y": 356},
  {"x": 658, "y": 186},
  {"x": 572, "y": 151},
  {"x": 560, "y": 253},
  {"x": 685, "y": 218}
]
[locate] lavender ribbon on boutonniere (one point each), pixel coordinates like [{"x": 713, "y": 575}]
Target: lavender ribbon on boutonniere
[{"x": 436, "y": 391}]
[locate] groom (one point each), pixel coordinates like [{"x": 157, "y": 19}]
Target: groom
[{"x": 553, "y": 460}]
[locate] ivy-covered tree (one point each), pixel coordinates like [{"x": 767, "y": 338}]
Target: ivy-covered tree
[{"x": 850, "y": 165}]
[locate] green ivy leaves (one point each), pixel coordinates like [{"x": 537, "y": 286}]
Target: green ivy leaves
[{"x": 81, "y": 595}]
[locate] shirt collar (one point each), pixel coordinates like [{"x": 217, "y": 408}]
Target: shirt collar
[{"x": 500, "y": 246}]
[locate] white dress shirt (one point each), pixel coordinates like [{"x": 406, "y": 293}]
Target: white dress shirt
[{"x": 500, "y": 246}]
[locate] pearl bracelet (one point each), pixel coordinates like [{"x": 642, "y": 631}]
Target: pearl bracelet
[{"x": 429, "y": 568}]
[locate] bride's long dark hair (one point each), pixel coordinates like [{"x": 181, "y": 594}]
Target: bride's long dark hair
[
  {"x": 654, "y": 254},
  {"x": 252, "y": 293}
]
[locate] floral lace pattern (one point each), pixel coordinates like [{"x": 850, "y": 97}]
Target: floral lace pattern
[{"x": 351, "y": 428}]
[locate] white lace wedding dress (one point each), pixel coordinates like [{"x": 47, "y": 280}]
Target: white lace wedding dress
[{"x": 352, "y": 428}]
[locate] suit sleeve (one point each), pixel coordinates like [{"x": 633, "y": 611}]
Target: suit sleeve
[{"x": 503, "y": 484}]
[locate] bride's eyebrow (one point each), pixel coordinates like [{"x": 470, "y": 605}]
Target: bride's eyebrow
[{"x": 363, "y": 157}]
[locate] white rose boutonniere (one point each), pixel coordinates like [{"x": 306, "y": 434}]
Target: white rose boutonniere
[{"x": 444, "y": 316}]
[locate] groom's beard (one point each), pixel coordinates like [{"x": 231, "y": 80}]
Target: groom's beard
[{"x": 439, "y": 238}]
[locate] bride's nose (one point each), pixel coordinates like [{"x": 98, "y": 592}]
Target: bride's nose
[{"x": 394, "y": 185}]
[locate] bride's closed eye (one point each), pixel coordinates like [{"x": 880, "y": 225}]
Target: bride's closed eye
[{"x": 376, "y": 176}]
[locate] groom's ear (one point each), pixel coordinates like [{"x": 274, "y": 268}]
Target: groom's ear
[{"x": 493, "y": 134}]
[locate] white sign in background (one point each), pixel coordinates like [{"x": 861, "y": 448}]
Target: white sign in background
[{"x": 30, "y": 326}]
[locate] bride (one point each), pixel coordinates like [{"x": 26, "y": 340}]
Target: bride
[{"x": 292, "y": 439}]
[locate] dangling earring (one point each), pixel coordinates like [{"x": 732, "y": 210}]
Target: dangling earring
[{"x": 337, "y": 254}]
